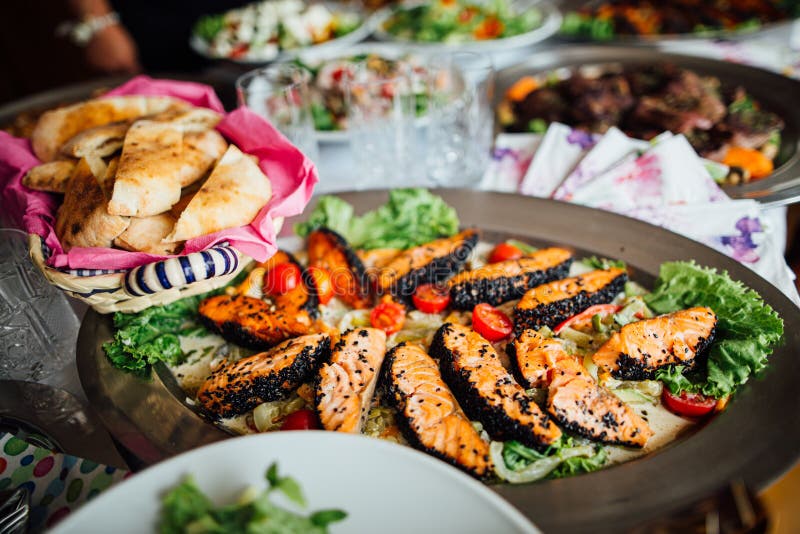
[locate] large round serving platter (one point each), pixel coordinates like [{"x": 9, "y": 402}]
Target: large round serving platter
[
  {"x": 775, "y": 92},
  {"x": 755, "y": 440},
  {"x": 551, "y": 22}
]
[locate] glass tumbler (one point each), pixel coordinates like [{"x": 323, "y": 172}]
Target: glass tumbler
[
  {"x": 280, "y": 93},
  {"x": 381, "y": 117},
  {"x": 460, "y": 117}
]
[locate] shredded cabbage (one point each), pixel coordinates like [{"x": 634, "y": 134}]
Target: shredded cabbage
[
  {"x": 538, "y": 469},
  {"x": 269, "y": 415}
]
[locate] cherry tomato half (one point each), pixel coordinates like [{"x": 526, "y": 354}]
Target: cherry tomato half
[
  {"x": 430, "y": 299},
  {"x": 491, "y": 323},
  {"x": 388, "y": 316},
  {"x": 282, "y": 278},
  {"x": 300, "y": 420},
  {"x": 688, "y": 404},
  {"x": 322, "y": 283},
  {"x": 586, "y": 315},
  {"x": 503, "y": 252}
]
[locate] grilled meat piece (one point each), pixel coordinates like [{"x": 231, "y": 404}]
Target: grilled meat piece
[
  {"x": 508, "y": 280},
  {"x": 428, "y": 413},
  {"x": 486, "y": 391},
  {"x": 239, "y": 386},
  {"x": 329, "y": 250},
  {"x": 586, "y": 408},
  {"x": 550, "y": 304},
  {"x": 533, "y": 356},
  {"x": 257, "y": 324},
  {"x": 345, "y": 385},
  {"x": 426, "y": 264},
  {"x": 640, "y": 348}
]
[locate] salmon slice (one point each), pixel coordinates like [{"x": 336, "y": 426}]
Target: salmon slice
[
  {"x": 429, "y": 415},
  {"x": 330, "y": 251},
  {"x": 488, "y": 393},
  {"x": 377, "y": 257},
  {"x": 258, "y": 324},
  {"x": 239, "y": 386},
  {"x": 426, "y": 264},
  {"x": 640, "y": 348},
  {"x": 533, "y": 356},
  {"x": 500, "y": 282},
  {"x": 584, "y": 407},
  {"x": 345, "y": 385},
  {"x": 552, "y": 303}
]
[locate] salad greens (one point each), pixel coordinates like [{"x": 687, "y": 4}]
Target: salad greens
[
  {"x": 411, "y": 217},
  {"x": 187, "y": 510},
  {"x": 747, "y": 327},
  {"x": 516, "y": 463},
  {"x": 151, "y": 335},
  {"x": 456, "y": 21}
]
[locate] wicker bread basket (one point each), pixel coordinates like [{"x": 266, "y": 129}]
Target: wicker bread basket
[{"x": 155, "y": 284}]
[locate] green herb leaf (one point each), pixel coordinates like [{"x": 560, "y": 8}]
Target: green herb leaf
[
  {"x": 603, "y": 263},
  {"x": 323, "y": 518},
  {"x": 184, "y": 504}
]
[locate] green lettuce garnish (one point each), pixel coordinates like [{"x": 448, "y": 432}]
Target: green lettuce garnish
[
  {"x": 747, "y": 327},
  {"x": 518, "y": 464},
  {"x": 186, "y": 509},
  {"x": 411, "y": 217}
]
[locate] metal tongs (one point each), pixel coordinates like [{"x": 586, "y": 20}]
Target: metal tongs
[{"x": 14, "y": 511}]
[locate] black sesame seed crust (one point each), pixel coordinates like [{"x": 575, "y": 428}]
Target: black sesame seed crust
[
  {"x": 497, "y": 290},
  {"x": 234, "y": 333},
  {"x": 396, "y": 398},
  {"x": 495, "y": 420},
  {"x": 249, "y": 392},
  {"x": 516, "y": 368},
  {"x": 437, "y": 270},
  {"x": 555, "y": 312},
  {"x": 636, "y": 369},
  {"x": 571, "y": 426},
  {"x": 354, "y": 263}
]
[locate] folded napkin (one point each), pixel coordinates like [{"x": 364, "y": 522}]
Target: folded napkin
[
  {"x": 663, "y": 182},
  {"x": 293, "y": 177},
  {"x": 57, "y": 483}
]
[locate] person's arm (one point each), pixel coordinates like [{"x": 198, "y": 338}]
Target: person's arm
[{"x": 111, "y": 49}]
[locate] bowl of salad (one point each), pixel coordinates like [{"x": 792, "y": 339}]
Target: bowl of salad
[
  {"x": 481, "y": 25},
  {"x": 330, "y": 71},
  {"x": 271, "y": 30}
]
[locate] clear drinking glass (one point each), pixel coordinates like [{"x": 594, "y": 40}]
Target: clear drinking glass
[
  {"x": 38, "y": 328},
  {"x": 280, "y": 93},
  {"x": 381, "y": 117},
  {"x": 460, "y": 117}
]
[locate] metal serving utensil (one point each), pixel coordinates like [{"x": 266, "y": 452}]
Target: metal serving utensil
[{"x": 14, "y": 511}]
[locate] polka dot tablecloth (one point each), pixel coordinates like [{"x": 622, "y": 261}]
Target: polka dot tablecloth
[{"x": 57, "y": 483}]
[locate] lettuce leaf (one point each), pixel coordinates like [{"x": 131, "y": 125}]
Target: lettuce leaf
[
  {"x": 411, "y": 217},
  {"x": 747, "y": 327}
]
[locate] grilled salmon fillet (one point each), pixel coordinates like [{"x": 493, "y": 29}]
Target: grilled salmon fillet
[
  {"x": 552, "y": 303},
  {"x": 236, "y": 387},
  {"x": 257, "y": 324},
  {"x": 533, "y": 356},
  {"x": 485, "y": 389},
  {"x": 426, "y": 264},
  {"x": 377, "y": 257},
  {"x": 640, "y": 348},
  {"x": 330, "y": 251},
  {"x": 584, "y": 407},
  {"x": 429, "y": 415},
  {"x": 507, "y": 280},
  {"x": 345, "y": 385}
]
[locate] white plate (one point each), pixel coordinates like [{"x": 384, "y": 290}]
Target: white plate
[
  {"x": 551, "y": 23},
  {"x": 382, "y": 486}
]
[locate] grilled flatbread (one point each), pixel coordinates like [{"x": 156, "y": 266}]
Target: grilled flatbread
[
  {"x": 83, "y": 219},
  {"x": 201, "y": 150},
  {"x": 59, "y": 125},
  {"x": 146, "y": 235},
  {"x": 148, "y": 178},
  {"x": 100, "y": 141},
  {"x": 232, "y": 196},
  {"x": 191, "y": 120},
  {"x": 51, "y": 177}
]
